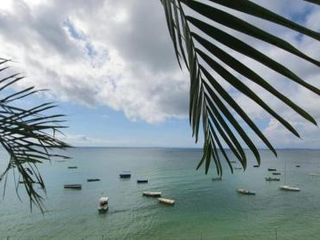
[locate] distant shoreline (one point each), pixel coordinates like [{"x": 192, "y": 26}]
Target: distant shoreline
[{"x": 191, "y": 148}]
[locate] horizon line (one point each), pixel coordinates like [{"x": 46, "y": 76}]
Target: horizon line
[{"x": 280, "y": 148}]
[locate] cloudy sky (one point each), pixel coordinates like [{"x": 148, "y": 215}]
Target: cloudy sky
[{"x": 110, "y": 65}]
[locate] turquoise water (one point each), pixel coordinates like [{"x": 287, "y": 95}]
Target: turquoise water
[{"x": 204, "y": 209}]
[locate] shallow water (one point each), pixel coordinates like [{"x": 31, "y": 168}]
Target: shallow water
[{"x": 204, "y": 209}]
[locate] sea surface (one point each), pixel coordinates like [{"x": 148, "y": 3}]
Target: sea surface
[{"x": 204, "y": 209}]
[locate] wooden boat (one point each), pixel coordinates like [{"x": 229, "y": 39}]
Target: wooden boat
[
  {"x": 270, "y": 179},
  {"x": 255, "y": 166},
  {"x": 125, "y": 175},
  {"x": 276, "y": 173},
  {"x": 217, "y": 179},
  {"x": 73, "y": 186},
  {"x": 290, "y": 189},
  {"x": 166, "y": 201},
  {"x": 272, "y": 169},
  {"x": 142, "y": 181},
  {"x": 72, "y": 167},
  {"x": 245, "y": 192},
  {"x": 152, "y": 194},
  {"x": 93, "y": 179},
  {"x": 103, "y": 205},
  {"x": 297, "y": 166}
]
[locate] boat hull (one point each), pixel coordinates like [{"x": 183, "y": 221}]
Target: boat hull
[
  {"x": 142, "y": 181},
  {"x": 276, "y": 173},
  {"x": 290, "y": 189},
  {"x": 217, "y": 179},
  {"x": 272, "y": 169},
  {"x": 72, "y": 167},
  {"x": 272, "y": 179},
  {"x": 125, "y": 175},
  {"x": 152, "y": 194},
  {"x": 103, "y": 209},
  {"x": 166, "y": 201},
  {"x": 245, "y": 192},
  {"x": 93, "y": 180},
  {"x": 73, "y": 186}
]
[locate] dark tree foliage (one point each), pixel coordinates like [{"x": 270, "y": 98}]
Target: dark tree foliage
[
  {"x": 27, "y": 135},
  {"x": 197, "y": 38}
]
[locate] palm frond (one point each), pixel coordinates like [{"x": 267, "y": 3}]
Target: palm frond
[
  {"x": 28, "y": 135},
  {"x": 192, "y": 36}
]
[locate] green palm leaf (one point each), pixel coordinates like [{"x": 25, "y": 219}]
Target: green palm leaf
[
  {"x": 192, "y": 39},
  {"x": 28, "y": 135}
]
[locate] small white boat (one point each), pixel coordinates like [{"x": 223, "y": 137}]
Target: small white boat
[
  {"x": 166, "y": 201},
  {"x": 290, "y": 189},
  {"x": 152, "y": 194},
  {"x": 245, "y": 192},
  {"x": 286, "y": 187},
  {"x": 103, "y": 205}
]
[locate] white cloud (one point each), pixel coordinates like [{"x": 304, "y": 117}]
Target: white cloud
[
  {"x": 98, "y": 53},
  {"x": 118, "y": 54}
]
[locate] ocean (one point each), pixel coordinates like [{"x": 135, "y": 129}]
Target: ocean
[{"x": 204, "y": 209}]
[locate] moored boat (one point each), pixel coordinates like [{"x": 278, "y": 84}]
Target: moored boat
[
  {"x": 72, "y": 167},
  {"x": 73, "y": 186},
  {"x": 286, "y": 187},
  {"x": 125, "y": 175},
  {"x": 289, "y": 188},
  {"x": 103, "y": 205},
  {"x": 152, "y": 194},
  {"x": 272, "y": 169},
  {"x": 245, "y": 192},
  {"x": 166, "y": 201},
  {"x": 276, "y": 173},
  {"x": 217, "y": 178},
  {"x": 142, "y": 181},
  {"x": 270, "y": 179},
  {"x": 93, "y": 179},
  {"x": 255, "y": 166}
]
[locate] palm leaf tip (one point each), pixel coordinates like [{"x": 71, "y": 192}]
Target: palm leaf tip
[
  {"x": 27, "y": 134},
  {"x": 192, "y": 36}
]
